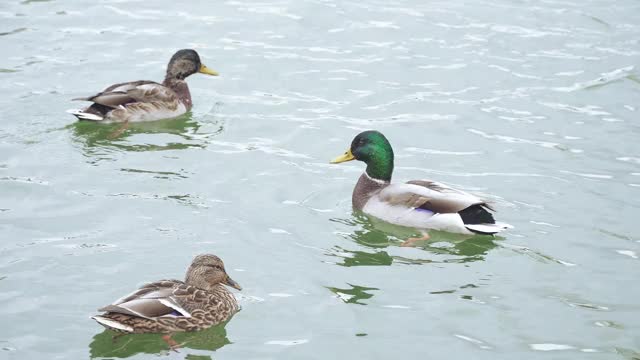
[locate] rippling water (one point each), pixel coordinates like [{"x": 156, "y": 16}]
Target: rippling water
[{"x": 531, "y": 103}]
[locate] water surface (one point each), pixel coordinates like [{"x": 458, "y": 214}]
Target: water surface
[{"x": 533, "y": 104}]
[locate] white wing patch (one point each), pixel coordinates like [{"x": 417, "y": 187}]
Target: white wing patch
[
  {"x": 175, "y": 307},
  {"x": 108, "y": 323}
]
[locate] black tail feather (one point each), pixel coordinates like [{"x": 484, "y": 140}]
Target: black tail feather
[{"x": 477, "y": 214}]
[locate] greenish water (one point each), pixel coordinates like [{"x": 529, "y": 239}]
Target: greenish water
[{"x": 531, "y": 103}]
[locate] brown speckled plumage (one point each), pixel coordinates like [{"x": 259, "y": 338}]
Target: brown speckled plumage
[
  {"x": 167, "y": 306},
  {"x": 145, "y": 100}
]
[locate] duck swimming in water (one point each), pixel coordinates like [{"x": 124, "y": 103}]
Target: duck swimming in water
[
  {"x": 145, "y": 100},
  {"x": 422, "y": 204},
  {"x": 167, "y": 306}
]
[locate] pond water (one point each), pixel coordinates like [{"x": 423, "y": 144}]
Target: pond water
[{"x": 533, "y": 104}]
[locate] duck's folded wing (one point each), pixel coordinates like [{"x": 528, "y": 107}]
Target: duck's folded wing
[
  {"x": 150, "y": 301},
  {"x": 428, "y": 195},
  {"x": 190, "y": 298},
  {"x": 136, "y": 91},
  {"x": 152, "y": 92}
]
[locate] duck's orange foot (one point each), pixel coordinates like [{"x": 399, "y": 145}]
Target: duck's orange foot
[
  {"x": 411, "y": 242},
  {"x": 116, "y": 336},
  {"x": 119, "y": 131},
  {"x": 173, "y": 345}
]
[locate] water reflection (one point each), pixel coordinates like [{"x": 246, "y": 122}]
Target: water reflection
[
  {"x": 173, "y": 134},
  {"x": 353, "y": 295},
  {"x": 376, "y": 234},
  {"x": 104, "y": 345},
  {"x": 363, "y": 258}
]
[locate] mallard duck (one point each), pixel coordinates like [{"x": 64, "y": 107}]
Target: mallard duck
[
  {"x": 421, "y": 204},
  {"x": 168, "y": 306},
  {"x": 146, "y": 100}
]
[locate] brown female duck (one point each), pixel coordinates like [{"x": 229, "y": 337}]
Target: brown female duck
[
  {"x": 145, "y": 100},
  {"x": 167, "y": 306}
]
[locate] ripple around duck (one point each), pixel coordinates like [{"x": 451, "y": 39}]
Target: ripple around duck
[
  {"x": 24, "y": 180},
  {"x": 441, "y": 152},
  {"x": 140, "y": 15},
  {"x": 100, "y": 141},
  {"x": 279, "y": 55},
  {"x": 373, "y": 235},
  {"x": 630, "y": 253},
  {"x": 157, "y": 174},
  {"x": 629, "y": 354},
  {"x": 516, "y": 140},
  {"x": 550, "y": 347},
  {"x": 184, "y": 199},
  {"x": 14, "y": 31},
  {"x": 255, "y": 144},
  {"x": 476, "y": 342},
  {"x": 629, "y": 159},
  {"x": 287, "y": 342},
  {"x": 603, "y": 80},
  {"x": 535, "y": 255},
  {"x": 265, "y": 45},
  {"x": 467, "y": 83},
  {"x": 481, "y": 174},
  {"x": 588, "y": 176},
  {"x": 104, "y": 345}
]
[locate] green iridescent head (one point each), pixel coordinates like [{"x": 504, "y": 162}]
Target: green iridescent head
[{"x": 373, "y": 149}]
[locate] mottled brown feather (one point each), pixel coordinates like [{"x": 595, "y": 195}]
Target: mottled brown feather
[{"x": 192, "y": 308}]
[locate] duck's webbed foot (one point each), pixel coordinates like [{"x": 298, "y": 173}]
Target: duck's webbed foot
[
  {"x": 173, "y": 345},
  {"x": 116, "y": 336},
  {"x": 119, "y": 131},
  {"x": 411, "y": 242}
]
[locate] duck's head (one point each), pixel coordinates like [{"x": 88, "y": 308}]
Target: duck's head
[
  {"x": 207, "y": 271},
  {"x": 186, "y": 62},
  {"x": 374, "y": 149}
]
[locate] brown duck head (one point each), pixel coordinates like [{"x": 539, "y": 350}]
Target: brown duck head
[
  {"x": 186, "y": 62},
  {"x": 207, "y": 271}
]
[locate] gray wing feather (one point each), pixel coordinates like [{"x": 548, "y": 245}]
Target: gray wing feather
[
  {"x": 150, "y": 301},
  {"x": 145, "y": 308},
  {"x": 136, "y": 91},
  {"x": 429, "y": 195}
]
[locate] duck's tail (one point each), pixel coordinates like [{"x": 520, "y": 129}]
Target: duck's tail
[
  {"x": 81, "y": 115},
  {"x": 112, "y": 324},
  {"x": 488, "y": 229}
]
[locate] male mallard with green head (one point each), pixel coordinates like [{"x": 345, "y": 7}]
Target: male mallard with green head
[
  {"x": 168, "y": 306},
  {"x": 146, "y": 100},
  {"x": 421, "y": 204}
]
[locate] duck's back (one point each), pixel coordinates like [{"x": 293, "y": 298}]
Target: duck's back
[
  {"x": 137, "y": 101},
  {"x": 169, "y": 306}
]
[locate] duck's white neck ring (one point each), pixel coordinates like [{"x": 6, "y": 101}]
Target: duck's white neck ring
[{"x": 378, "y": 181}]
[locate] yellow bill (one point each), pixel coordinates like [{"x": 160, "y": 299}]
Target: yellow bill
[
  {"x": 347, "y": 156},
  {"x": 206, "y": 70}
]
